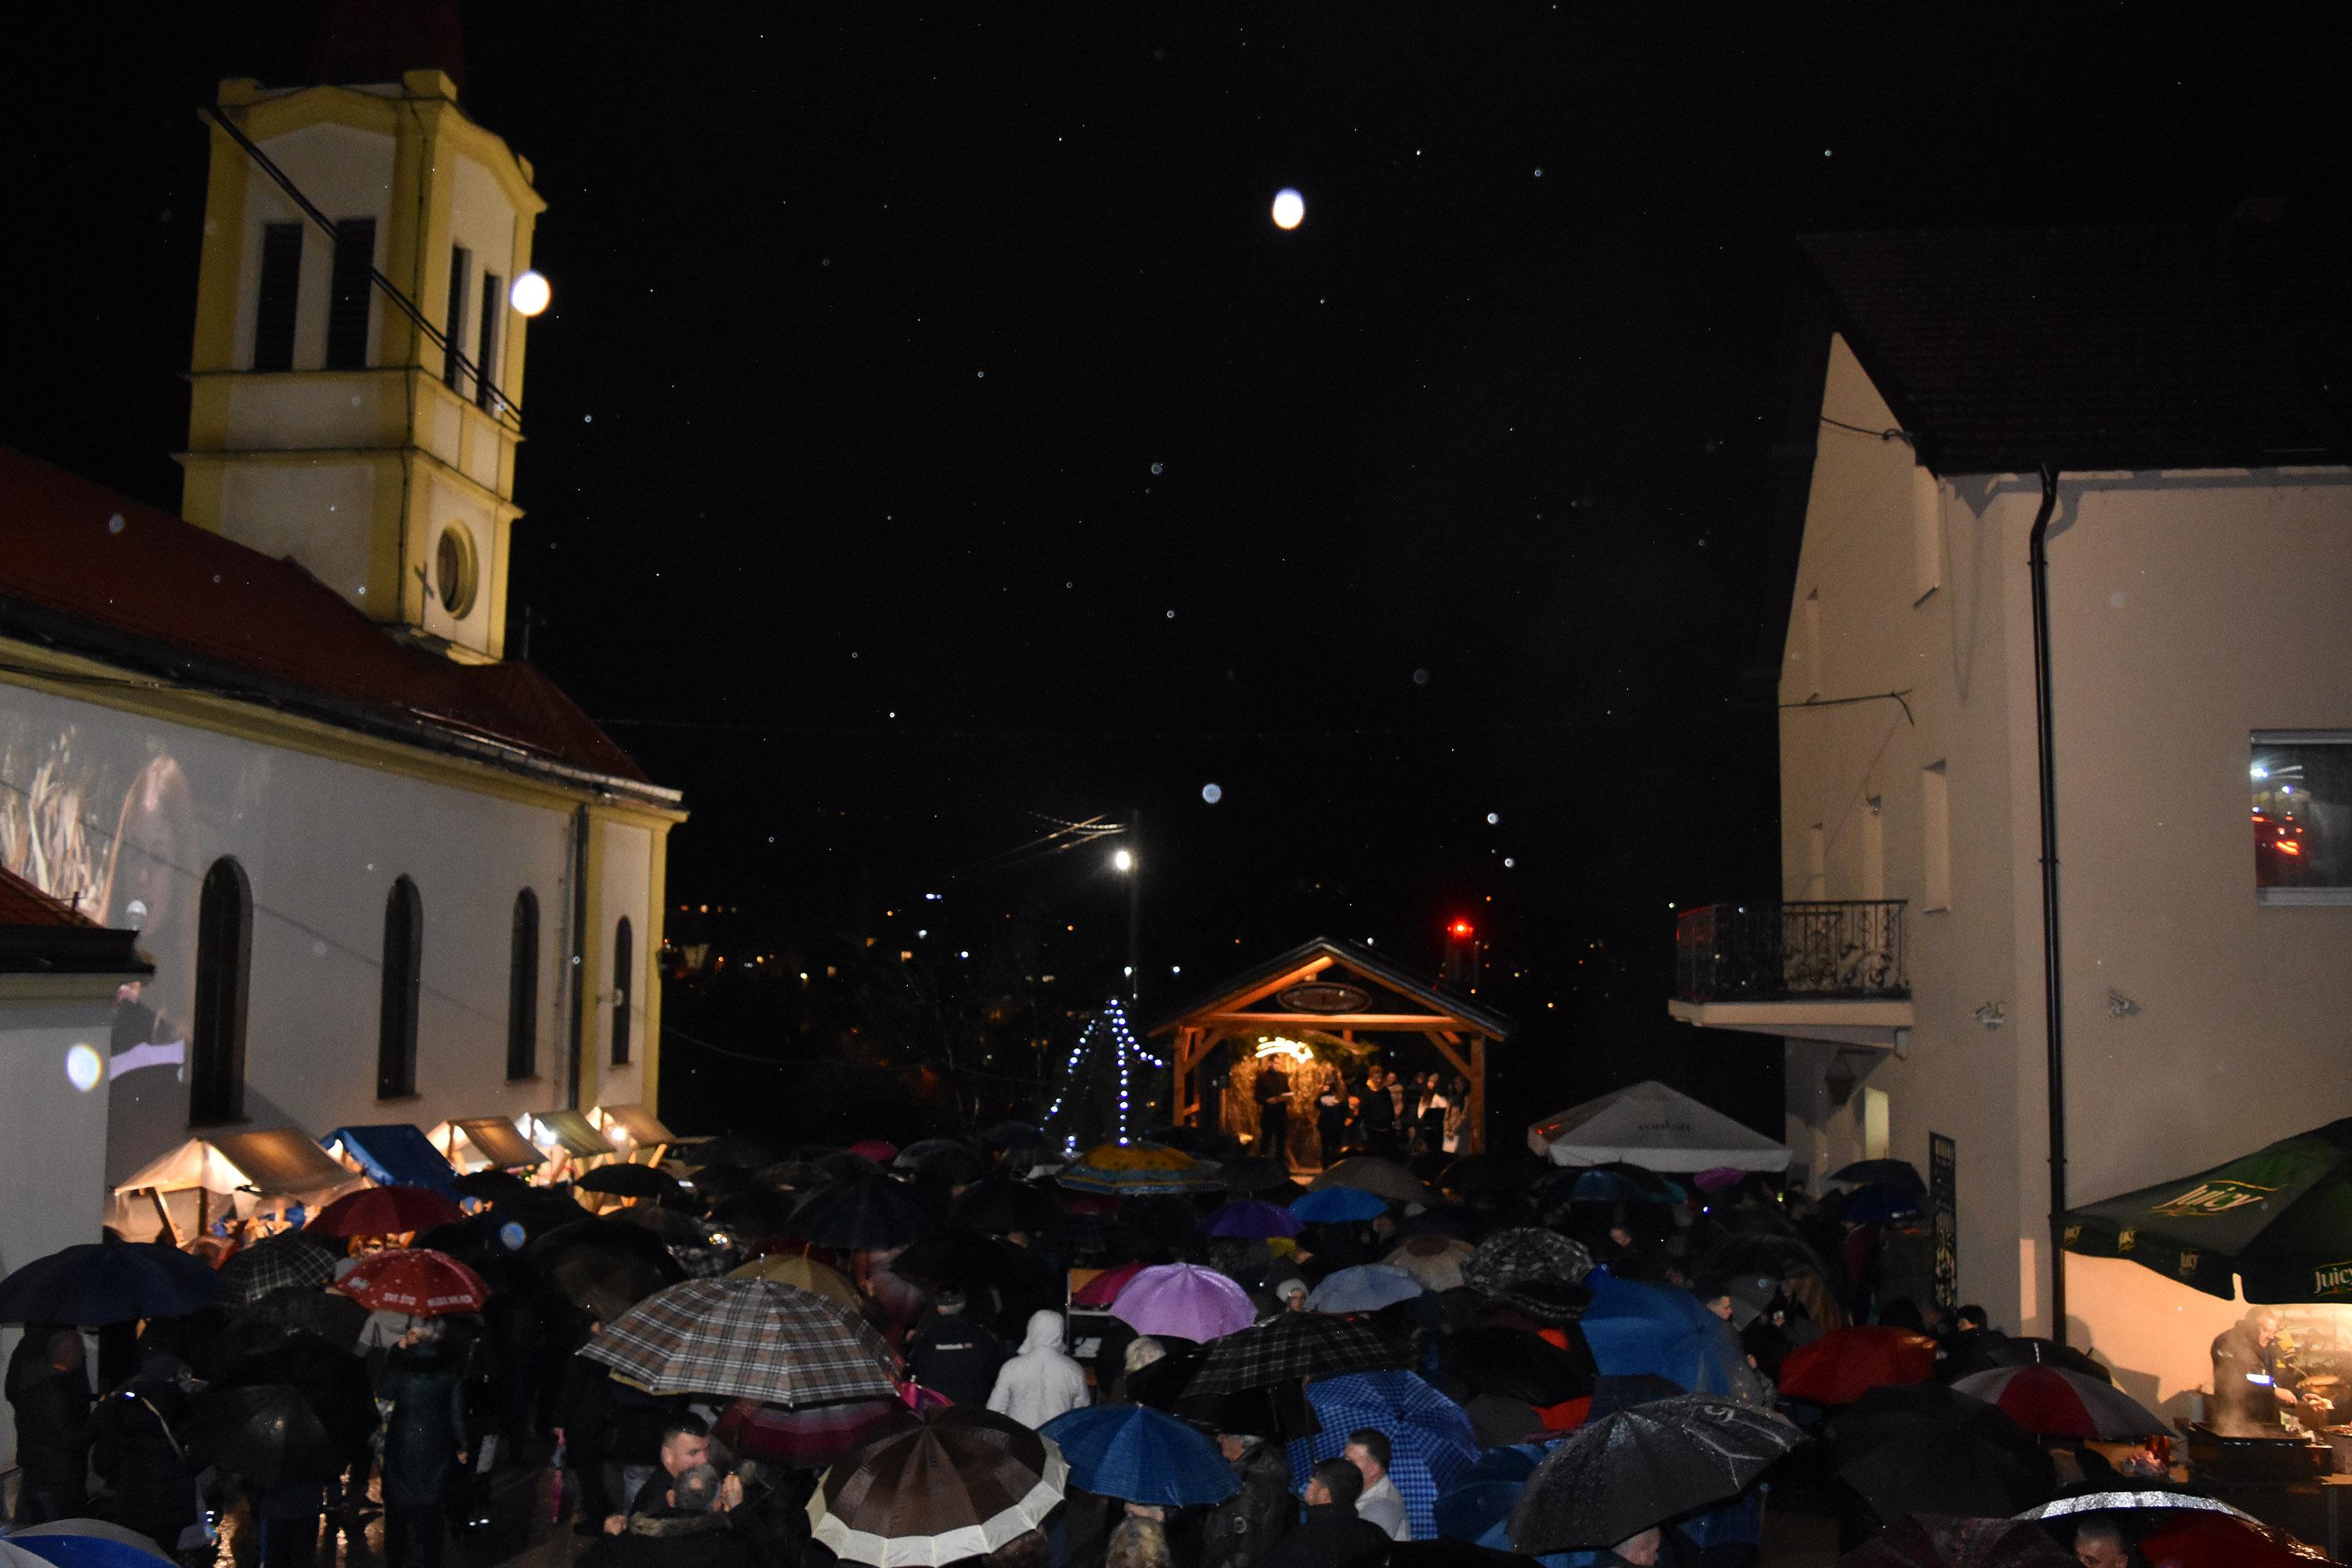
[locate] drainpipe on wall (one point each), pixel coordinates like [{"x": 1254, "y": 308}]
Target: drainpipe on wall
[
  {"x": 2038, "y": 565},
  {"x": 579, "y": 956}
]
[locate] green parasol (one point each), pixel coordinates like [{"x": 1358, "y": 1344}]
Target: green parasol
[{"x": 2281, "y": 1217}]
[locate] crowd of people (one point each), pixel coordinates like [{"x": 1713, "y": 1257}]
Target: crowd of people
[{"x": 1490, "y": 1275}]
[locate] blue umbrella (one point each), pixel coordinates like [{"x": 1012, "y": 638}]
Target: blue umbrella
[
  {"x": 1606, "y": 1187},
  {"x": 1663, "y": 1330},
  {"x": 1337, "y": 1205},
  {"x": 1431, "y": 1444},
  {"x": 107, "y": 1282},
  {"x": 69, "y": 1551},
  {"x": 1478, "y": 1509},
  {"x": 1250, "y": 1218},
  {"x": 1367, "y": 1288},
  {"x": 1131, "y": 1452}
]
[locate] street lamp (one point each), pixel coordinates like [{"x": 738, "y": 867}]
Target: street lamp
[{"x": 1123, "y": 861}]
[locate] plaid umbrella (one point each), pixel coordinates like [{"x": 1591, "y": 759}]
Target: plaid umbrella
[
  {"x": 939, "y": 1488},
  {"x": 1366, "y": 1287},
  {"x": 1291, "y": 1346},
  {"x": 418, "y": 1281},
  {"x": 1510, "y": 1257},
  {"x": 746, "y": 1339},
  {"x": 384, "y": 1211},
  {"x": 292, "y": 1258},
  {"x": 1431, "y": 1444},
  {"x": 1184, "y": 1300},
  {"x": 1134, "y": 1170},
  {"x": 866, "y": 1213}
]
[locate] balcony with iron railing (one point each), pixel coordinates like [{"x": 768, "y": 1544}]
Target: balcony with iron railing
[{"x": 1829, "y": 969}]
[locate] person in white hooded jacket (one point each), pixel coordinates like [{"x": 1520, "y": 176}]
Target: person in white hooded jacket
[{"x": 1039, "y": 1382}]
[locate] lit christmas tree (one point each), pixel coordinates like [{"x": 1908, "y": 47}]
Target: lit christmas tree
[{"x": 1110, "y": 1088}]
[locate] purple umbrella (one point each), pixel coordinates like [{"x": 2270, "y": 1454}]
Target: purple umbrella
[
  {"x": 1185, "y": 1300},
  {"x": 1251, "y": 1218}
]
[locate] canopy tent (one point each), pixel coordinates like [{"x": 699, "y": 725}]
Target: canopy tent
[
  {"x": 2279, "y": 1218},
  {"x": 393, "y": 1153},
  {"x": 257, "y": 1169},
  {"x": 572, "y": 1132},
  {"x": 632, "y": 1128},
  {"x": 1337, "y": 989},
  {"x": 485, "y": 1142},
  {"x": 1656, "y": 1128}
]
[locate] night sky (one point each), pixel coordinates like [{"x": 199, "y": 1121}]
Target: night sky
[{"x": 932, "y": 439}]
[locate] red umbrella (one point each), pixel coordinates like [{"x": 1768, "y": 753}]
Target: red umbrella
[
  {"x": 1104, "y": 1287},
  {"x": 418, "y": 1281},
  {"x": 809, "y": 1437},
  {"x": 2051, "y": 1402},
  {"x": 384, "y": 1211},
  {"x": 2198, "y": 1540},
  {"x": 1845, "y": 1363},
  {"x": 881, "y": 1150}
]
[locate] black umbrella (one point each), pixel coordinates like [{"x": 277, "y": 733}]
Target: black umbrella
[
  {"x": 1984, "y": 1351},
  {"x": 1927, "y": 1449},
  {"x": 1278, "y": 1410},
  {"x": 1485, "y": 1176},
  {"x": 1616, "y": 1477},
  {"x": 107, "y": 1282},
  {"x": 1518, "y": 1365},
  {"x": 713, "y": 1183},
  {"x": 330, "y": 1377},
  {"x": 1257, "y": 1174},
  {"x": 1000, "y": 1205},
  {"x": 329, "y": 1314},
  {"x": 604, "y": 1268},
  {"x": 731, "y": 1148},
  {"x": 629, "y": 1182},
  {"x": 1009, "y": 1135},
  {"x": 269, "y": 1434},
  {"x": 672, "y": 1229},
  {"x": 490, "y": 1184},
  {"x": 962, "y": 1259},
  {"x": 754, "y": 1214},
  {"x": 1289, "y": 1348},
  {"x": 944, "y": 1158},
  {"x": 868, "y": 1214}
]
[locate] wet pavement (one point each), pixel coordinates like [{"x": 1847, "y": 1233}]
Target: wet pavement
[{"x": 517, "y": 1528}]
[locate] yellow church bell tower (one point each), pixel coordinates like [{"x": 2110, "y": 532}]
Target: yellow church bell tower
[{"x": 325, "y": 424}]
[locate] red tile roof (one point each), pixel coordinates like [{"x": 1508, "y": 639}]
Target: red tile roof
[
  {"x": 23, "y": 904},
  {"x": 91, "y": 570}
]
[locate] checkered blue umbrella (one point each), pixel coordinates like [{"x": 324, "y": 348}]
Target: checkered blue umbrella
[
  {"x": 1430, "y": 1444},
  {"x": 746, "y": 1338}
]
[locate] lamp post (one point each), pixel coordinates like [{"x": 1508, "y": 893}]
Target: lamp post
[{"x": 1123, "y": 860}]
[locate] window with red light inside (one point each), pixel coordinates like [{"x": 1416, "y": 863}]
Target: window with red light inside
[{"x": 2302, "y": 790}]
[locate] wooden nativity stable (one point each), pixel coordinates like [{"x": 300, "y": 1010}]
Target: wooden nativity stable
[{"x": 1329, "y": 1006}]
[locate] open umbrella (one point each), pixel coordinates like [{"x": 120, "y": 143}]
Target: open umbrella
[
  {"x": 1485, "y": 1176},
  {"x": 880, "y": 1150},
  {"x": 1000, "y": 1205},
  {"x": 2051, "y": 1401},
  {"x": 728, "y": 1149},
  {"x": 88, "y": 1530},
  {"x": 489, "y": 1185},
  {"x": 55, "y": 1548},
  {"x": 1924, "y": 1448},
  {"x": 1518, "y": 1365},
  {"x": 1184, "y": 1300},
  {"x": 802, "y": 1273},
  {"x": 271, "y": 1434},
  {"x": 938, "y": 1489},
  {"x": 942, "y": 1157},
  {"x": 1367, "y": 1288},
  {"x": 1666, "y": 1331},
  {"x": 1879, "y": 1206},
  {"x": 961, "y": 1258},
  {"x": 1132, "y": 1452},
  {"x": 2184, "y": 1539},
  {"x": 678, "y": 1231},
  {"x": 1287, "y": 1348},
  {"x": 1435, "y": 1260},
  {"x": 1275, "y": 1410},
  {"x": 1844, "y": 1364},
  {"x": 754, "y": 1214},
  {"x": 1899, "y": 1176},
  {"x": 808, "y": 1438},
  {"x": 292, "y": 1258},
  {"x": 416, "y": 1280},
  {"x": 1984, "y": 1352},
  {"x": 1249, "y": 1218},
  {"x": 862, "y": 1214},
  {"x": 1523, "y": 1252},
  {"x": 746, "y": 1339},
  {"x": 602, "y": 1266},
  {"x": 1942, "y": 1541},
  {"x": 1430, "y": 1442},
  {"x": 104, "y": 1282},
  {"x": 1617, "y": 1475},
  {"x": 1371, "y": 1173},
  {"x": 1137, "y": 1170},
  {"x": 1104, "y": 1287},
  {"x": 384, "y": 1211},
  {"x": 629, "y": 1180},
  {"x": 1254, "y": 1173},
  {"x": 330, "y": 1315},
  {"x": 1337, "y": 1205}
]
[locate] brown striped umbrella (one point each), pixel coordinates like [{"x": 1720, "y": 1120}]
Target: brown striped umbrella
[{"x": 936, "y": 1488}]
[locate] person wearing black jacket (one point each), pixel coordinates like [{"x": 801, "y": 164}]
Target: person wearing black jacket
[
  {"x": 1243, "y": 1529},
  {"x": 1376, "y": 1117},
  {"x": 583, "y": 1416},
  {"x": 54, "y": 1431},
  {"x": 1332, "y": 1534},
  {"x": 949, "y": 1351},
  {"x": 140, "y": 1452}
]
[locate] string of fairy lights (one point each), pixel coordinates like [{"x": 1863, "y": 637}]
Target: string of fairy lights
[{"x": 1111, "y": 1021}]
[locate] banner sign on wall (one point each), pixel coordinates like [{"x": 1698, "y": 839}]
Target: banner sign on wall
[{"x": 1944, "y": 1216}]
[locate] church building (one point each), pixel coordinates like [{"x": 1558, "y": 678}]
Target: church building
[{"x": 378, "y": 872}]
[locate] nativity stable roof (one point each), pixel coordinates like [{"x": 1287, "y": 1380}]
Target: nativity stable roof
[
  {"x": 93, "y": 571},
  {"x": 2221, "y": 346},
  {"x": 1334, "y": 954}
]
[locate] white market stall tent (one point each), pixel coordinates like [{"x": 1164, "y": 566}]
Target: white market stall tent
[{"x": 1656, "y": 1128}]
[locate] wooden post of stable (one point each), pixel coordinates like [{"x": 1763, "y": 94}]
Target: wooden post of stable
[{"x": 1477, "y": 1094}]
